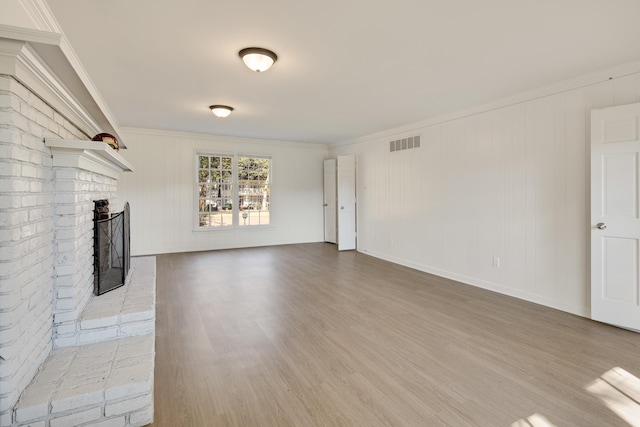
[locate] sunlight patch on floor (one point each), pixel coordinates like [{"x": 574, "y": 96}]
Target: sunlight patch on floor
[
  {"x": 620, "y": 391},
  {"x": 535, "y": 420}
]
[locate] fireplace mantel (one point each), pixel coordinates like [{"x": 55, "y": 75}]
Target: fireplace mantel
[{"x": 93, "y": 156}]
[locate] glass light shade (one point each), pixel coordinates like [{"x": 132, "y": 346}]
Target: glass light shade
[
  {"x": 221, "y": 110},
  {"x": 258, "y": 59}
]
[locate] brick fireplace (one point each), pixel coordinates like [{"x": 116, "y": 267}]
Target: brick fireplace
[{"x": 50, "y": 325}]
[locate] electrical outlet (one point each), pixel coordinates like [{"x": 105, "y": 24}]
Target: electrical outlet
[{"x": 496, "y": 262}]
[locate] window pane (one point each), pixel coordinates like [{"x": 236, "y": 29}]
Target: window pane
[
  {"x": 226, "y": 163},
  {"x": 253, "y": 174},
  {"x": 203, "y": 161}
]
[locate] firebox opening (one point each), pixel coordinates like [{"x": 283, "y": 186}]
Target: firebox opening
[{"x": 111, "y": 247}]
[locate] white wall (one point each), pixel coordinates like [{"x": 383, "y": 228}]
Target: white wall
[
  {"x": 161, "y": 192},
  {"x": 511, "y": 182}
]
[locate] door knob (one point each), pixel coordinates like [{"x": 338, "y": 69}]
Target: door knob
[{"x": 601, "y": 226}]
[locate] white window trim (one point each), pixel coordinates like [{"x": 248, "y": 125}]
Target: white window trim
[{"x": 235, "y": 226}]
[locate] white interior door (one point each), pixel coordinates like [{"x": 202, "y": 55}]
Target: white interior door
[
  {"x": 330, "y": 201},
  {"x": 615, "y": 215},
  {"x": 346, "y": 203}
]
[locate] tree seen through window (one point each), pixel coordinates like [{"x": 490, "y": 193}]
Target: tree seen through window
[{"x": 233, "y": 190}]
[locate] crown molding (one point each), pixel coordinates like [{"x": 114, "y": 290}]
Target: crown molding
[{"x": 553, "y": 89}]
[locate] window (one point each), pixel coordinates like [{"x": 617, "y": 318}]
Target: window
[
  {"x": 233, "y": 190},
  {"x": 253, "y": 190}
]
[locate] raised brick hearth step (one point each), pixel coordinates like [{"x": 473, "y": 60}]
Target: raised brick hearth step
[
  {"x": 122, "y": 312},
  {"x": 102, "y": 384},
  {"x": 106, "y": 380}
]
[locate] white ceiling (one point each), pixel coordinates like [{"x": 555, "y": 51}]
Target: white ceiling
[{"x": 346, "y": 68}]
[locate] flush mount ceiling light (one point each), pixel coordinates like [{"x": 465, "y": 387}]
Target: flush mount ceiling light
[
  {"x": 257, "y": 58},
  {"x": 221, "y": 110}
]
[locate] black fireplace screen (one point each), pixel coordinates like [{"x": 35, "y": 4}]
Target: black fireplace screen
[{"x": 111, "y": 247}]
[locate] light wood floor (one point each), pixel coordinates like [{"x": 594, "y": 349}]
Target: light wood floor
[{"x": 302, "y": 335}]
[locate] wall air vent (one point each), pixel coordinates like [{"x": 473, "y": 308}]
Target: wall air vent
[{"x": 404, "y": 143}]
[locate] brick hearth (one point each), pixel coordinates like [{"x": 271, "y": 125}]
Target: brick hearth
[{"x": 103, "y": 383}]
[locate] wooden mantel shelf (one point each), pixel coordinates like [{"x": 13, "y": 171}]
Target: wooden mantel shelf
[{"x": 93, "y": 156}]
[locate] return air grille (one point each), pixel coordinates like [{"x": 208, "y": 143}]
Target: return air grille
[{"x": 404, "y": 143}]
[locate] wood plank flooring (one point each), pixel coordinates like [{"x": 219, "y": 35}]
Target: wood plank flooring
[{"x": 301, "y": 335}]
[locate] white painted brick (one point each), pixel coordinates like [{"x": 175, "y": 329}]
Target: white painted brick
[
  {"x": 39, "y": 213},
  {"x": 36, "y": 121},
  {"x": 43, "y": 199},
  {"x": 10, "y": 185},
  {"x": 64, "y": 270},
  {"x": 65, "y": 304},
  {"x": 73, "y": 209},
  {"x": 13, "y": 276},
  {"x": 128, "y": 405},
  {"x": 7, "y": 318},
  {"x": 66, "y": 234},
  {"x": 67, "y": 198},
  {"x": 7, "y": 352},
  {"x": 31, "y": 412},
  {"x": 112, "y": 422},
  {"x": 66, "y": 174},
  {"x": 137, "y": 328},
  {"x": 66, "y": 328},
  {"x": 13, "y": 218},
  {"x": 28, "y": 200},
  {"x": 99, "y": 323},
  {"x": 9, "y": 300},
  {"x": 10, "y": 103},
  {"x": 10, "y": 235},
  {"x": 65, "y": 341},
  {"x": 99, "y": 335},
  {"x": 5, "y": 418},
  {"x": 125, "y": 388},
  {"x": 10, "y": 201},
  {"x": 135, "y": 316},
  {"x": 66, "y": 246},
  {"x": 10, "y": 169},
  {"x": 64, "y": 317},
  {"x": 8, "y": 401},
  {"x": 36, "y": 187},
  {"x": 27, "y": 230},
  {"x": 75, "y": 398},
  {"x": 28, "y": 171},
  {"x": 9, "y": 336},
  {"x": 64, "y": 292},
  {"x": 77, "y": 418},
  {"x": 141, "y": 418}
]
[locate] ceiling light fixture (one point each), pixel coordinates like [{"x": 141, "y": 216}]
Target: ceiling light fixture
[
  {"x": 257, "y": 58},
  {"x": 221, "y": 110}
]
